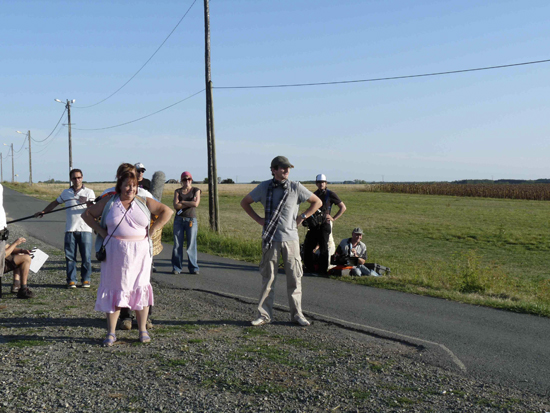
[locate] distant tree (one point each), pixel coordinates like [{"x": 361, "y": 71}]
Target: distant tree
[
  {"x": 255, "y": 182},
  {"x": 205, "y": 181},
  {"x": 359, "y": 181},
  {"x": 228, "y": 181}
]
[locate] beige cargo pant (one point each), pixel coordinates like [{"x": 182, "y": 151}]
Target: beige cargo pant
[{"x": 269, "y": 266}]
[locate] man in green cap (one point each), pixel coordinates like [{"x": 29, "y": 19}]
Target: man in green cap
[{"x": 281, "y": 199}]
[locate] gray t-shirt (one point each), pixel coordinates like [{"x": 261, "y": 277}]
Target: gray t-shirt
[
  {"x": 297, "y": 193},
  {"x": 345, "y": 249}
]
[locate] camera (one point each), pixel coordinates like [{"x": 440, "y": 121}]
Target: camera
[{"x": 315, "y": 220}]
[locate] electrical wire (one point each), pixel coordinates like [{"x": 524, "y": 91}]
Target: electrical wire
[
  {"x": 47, "y": 145},
  {"x": 145, "y": 64},
  {"x": 383, "y": 78},
  {"x": 19, "y": 156},
  {"x": 42, "y": 140},
  {"x": 22, "y": 146},
  {"x": 146, "y": 116}
]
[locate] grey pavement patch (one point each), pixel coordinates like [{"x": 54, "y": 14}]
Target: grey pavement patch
[{"x": 437, "y": 348}]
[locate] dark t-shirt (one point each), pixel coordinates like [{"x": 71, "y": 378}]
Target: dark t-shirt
[
  {"x": 187, "y": 212},
  {"x": 329, "y": 201},
  {"x": 145, "y": 184}
]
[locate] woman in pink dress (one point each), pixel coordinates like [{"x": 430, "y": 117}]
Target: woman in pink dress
[{"x": 126, "y": 272}]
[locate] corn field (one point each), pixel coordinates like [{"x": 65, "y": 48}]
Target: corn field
[{"x": 536, "y": 192}]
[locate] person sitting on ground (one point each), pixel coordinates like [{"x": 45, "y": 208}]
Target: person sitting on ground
[
  {"x": 355, "y": 252},
  {"x": 18, "y": 260}
]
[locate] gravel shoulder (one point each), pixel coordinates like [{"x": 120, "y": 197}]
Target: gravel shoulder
[{"x": 205, "y": 356}]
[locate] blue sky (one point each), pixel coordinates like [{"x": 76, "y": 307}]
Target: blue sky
[{"x": 488, "y": 124}]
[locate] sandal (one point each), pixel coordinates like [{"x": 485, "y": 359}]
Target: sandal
[
  {"x": 144, "y": 337},
  {"x": 110, "y": 340}
]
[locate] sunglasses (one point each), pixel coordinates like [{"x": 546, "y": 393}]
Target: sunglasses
[{"x": 187, "y": 179}]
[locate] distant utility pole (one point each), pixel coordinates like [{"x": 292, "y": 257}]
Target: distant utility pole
[
  {"x": 12, "y": 167},
  {"x": 210, "y": 137},
  {"x": 1, "y": 168},
  {"x": 30, "y": 157},
  {"x": 30, "y": 160}
]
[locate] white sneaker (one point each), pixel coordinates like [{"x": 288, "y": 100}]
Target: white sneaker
[
  {"x": 301, "y": 320},
  {"x": 260, "y": 321}
]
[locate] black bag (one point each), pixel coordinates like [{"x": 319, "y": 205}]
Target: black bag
[
  {"x": 101, "y": 255},
  {"x": 315, "y": 220},
  {"x": 4, "y": 234},
  {"x": 344, "y": 260},
  {"x": 380, "y": 269}
]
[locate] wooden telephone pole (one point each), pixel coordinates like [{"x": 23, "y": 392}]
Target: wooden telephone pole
[{"x": 211, "y": 141}]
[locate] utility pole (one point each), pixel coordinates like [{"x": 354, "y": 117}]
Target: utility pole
[
  {"x": 70, "y": 140},
  {"x": 28, "y": 134},
  {"x": 210, "y": 138},
  {"x": 12, "y": 167},
  {"x": 68, "y": 106},
  {"x": 30, "y": 160}
]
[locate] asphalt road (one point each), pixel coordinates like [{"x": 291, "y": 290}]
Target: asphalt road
[{"x": 499, "y": 346}]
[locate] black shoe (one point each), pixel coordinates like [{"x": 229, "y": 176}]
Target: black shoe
[{"x": 24, "y": 292}]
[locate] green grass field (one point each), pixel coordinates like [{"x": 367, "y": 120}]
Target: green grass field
[{"x": 483, "y": 251}]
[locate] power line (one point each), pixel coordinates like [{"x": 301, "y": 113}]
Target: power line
[
  {"x": 145, "y": 64},
  {"x": 146, "y": 116},
  {"x": 22, "y": 146},
  {"x": 382, "y": 78},
  {"x": 48, "y": 144},
  {"x": 53, "y": 128}
]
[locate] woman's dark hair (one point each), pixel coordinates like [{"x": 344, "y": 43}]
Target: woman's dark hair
[
  {"x": 127, "y": 174},
  {"x": 125, "y": 167}
]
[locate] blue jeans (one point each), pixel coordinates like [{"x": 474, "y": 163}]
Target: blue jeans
[
  {"x": 362, "y": 270},
  {"x": 82, "y": 240},
  {"x": 181, "y": 229}
]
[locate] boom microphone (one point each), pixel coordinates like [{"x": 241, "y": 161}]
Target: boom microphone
[{"x": 157, "y": 185}]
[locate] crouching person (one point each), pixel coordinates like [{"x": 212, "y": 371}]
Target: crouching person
[
  {"x": 18, "y": 260},
  {"x": 355, "y": 252}
]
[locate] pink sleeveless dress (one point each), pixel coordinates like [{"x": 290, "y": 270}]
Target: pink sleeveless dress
[{"x": 126, "y": 273}]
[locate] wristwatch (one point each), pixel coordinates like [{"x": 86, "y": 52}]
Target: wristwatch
[{"x": 303, "y": 216}]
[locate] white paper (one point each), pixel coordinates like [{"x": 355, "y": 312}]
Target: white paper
[{"x": 38, "y": 260}]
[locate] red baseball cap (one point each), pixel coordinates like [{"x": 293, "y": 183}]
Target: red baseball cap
[{"x": 186, "y": 175}]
